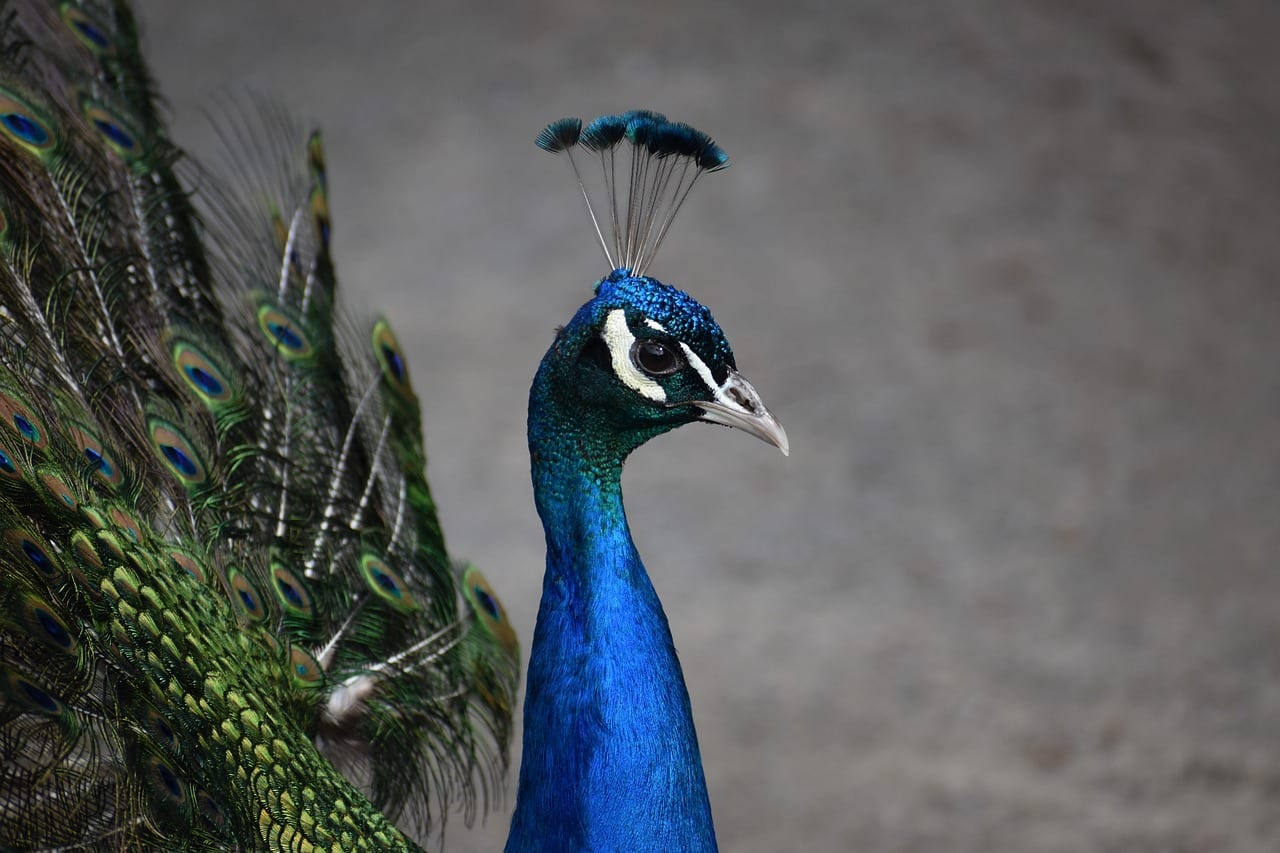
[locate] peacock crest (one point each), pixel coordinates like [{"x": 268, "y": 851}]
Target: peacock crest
[{"x": 647, "y": 166}]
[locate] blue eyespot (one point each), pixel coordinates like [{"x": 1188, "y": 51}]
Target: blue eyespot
[
  {"x": 306, "y": 670},
  {"x": 169, "y": 780},
  {"x": 163, "y": 729},
  {"x": 178, "y": 454},
  {"x": 209, "y": 810},
  {"x": 388, "y": 585},
  {"x": 205, "y": 381},
  {"x": 24, "y": 125},
  {"x": 391, "y": 360},
  {"x": 25, "y": 129},
  {"x": 289, "y": 591},
  {"x": 100, "y": 462},
  {"x": 26, "y": 428},
  {"x": 386, "y": 582},
  {"x": 285, "y": 335},
  {"x": 114, "y": 129},
  {"x": 114, "y": 133},
  {"x": 88, "y": 30},
  {"x": 53, "y": 628},
  {"x": 38, "y": 696},
  {"x": 38, "y": 557},
  {"x": 179, "y": 460},
  {"x": 394, "y": 362},
  {"x": 486, "y": 601},
  {"x": 92, "y": 33},
  {"x": 245, "y": 596}
]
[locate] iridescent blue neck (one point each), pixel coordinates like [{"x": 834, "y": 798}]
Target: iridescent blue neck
[{"x": 610, "y": 756}]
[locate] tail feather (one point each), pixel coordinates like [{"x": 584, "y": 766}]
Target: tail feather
[{"x": 217, "y": 543}]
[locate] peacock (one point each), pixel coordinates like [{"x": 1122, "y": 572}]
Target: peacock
[
  {"x": 610, "y": 758},
  {"x": 228, "y": 618}
]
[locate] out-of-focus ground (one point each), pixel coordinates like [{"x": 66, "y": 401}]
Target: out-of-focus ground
[{"x": 1009, "y": 273}]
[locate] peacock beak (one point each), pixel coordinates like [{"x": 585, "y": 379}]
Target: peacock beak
[{"x": 737, "y": 404}]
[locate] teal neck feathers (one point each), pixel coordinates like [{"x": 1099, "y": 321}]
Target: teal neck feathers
[{"x": 610, "y": 754}]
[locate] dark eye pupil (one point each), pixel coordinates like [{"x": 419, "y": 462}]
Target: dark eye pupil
[{"x": 655, "y": 357}]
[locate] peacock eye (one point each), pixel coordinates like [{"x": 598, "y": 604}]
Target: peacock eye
[{"x": 655, "y": 358}]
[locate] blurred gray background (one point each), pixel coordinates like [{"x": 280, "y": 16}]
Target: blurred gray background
[{"x": 1007, "y": 272}]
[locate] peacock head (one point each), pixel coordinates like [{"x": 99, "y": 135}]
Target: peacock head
[{"x": 642, "y": 357}]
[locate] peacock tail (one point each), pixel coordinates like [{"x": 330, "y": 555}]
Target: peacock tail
[{"x": 228, "y": 619}]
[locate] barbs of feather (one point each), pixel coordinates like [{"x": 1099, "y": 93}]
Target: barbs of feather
[{"x": 648, "y": 165}]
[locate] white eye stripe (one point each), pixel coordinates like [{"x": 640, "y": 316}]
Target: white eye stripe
[
  {"x": 704, "y": 372},
  {"x": 736, "y": 393},
  {"x": 618, "y": 338},
  {"x": 654, "y": 324}
]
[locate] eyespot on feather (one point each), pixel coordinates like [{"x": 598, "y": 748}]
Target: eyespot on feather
[
  {"x": 159, "y": 729},
  {"x": 176, "y": 452},
  {"x": 22, "y": 420},
  {"x": 210, "y": 812},
  {"x": 9, "y": 467},
  {"x": 100, "y": 460},
  {"x": 319, "y": 203},
  {"x": 290, "y": 591},
  {"x": 114, "y": 129},
  {"x": 164, "y": 782},
  {"x": 91, "y": 33},
  {"x": 202, "y": 375},
  {"x": 386, "y": 583},
  {"x": 248, "y": 602},
  {"x": 391, "y": 360},
  {"x": 24, "y": 126},
  {"x": 126, "y": 523},
  {"x": 31, "y": 696},
  {"x": 305, "y": 668},
  {"x": 488, "y": 608},
  {"x": 32, "y": 550},
  {"x": 42, "y": 623},
  {"x": 187, "y": 563},
  {"x": 284, "y": 333},
  {"x": 56, "y": 488}
]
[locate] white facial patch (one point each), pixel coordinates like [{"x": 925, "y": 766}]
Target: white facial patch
[
  {"x": 734, "y": 392},
  {"x": 704, "y": 372},
  {"x": 617, "y": 336}
]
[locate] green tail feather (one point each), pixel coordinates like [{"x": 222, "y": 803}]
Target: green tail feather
[{"x": 222, "y": 567}]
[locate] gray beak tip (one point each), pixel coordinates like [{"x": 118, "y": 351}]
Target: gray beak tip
[{"x": 738, "y": 405}]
